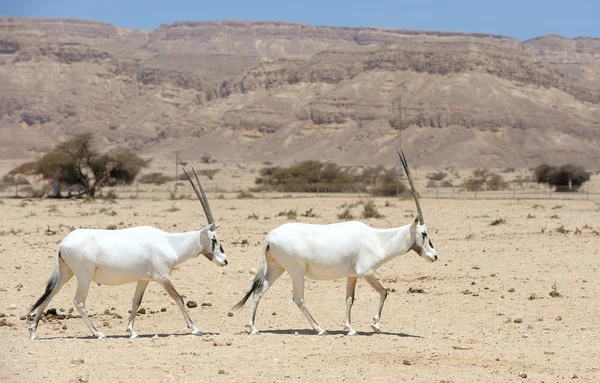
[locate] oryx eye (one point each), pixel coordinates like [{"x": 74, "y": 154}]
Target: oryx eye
[{"x": 424, "y": 236}]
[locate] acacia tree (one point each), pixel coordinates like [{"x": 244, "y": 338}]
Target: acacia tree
[
  {"x": 564, "y": 178},
  {"x": 77, "y": 163}
]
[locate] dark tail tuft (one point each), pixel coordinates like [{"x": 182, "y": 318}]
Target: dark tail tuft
[
  {"x": 50, "y": 285},
  {"x": 257, "y": 284}
]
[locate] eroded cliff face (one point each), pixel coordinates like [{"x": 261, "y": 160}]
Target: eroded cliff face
[{"x": 256, "y": 91}]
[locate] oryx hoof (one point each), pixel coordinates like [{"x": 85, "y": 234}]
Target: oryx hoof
[
  {"x": 351, "y": 332},
  {"x": 133, "y": 335},
  {"x": 197, "y": 331},
  {"x": 99, "y": 335},
  {"x": 254, "y": 332},
  {"x": 32, "y": 335},
  {"x": 376, "y": 327},
  {"x": 322, "y": 332}
]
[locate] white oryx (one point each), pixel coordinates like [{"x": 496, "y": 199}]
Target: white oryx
[
  {"x": 350, "y": 249},
  {"x": 137, "y": 254}
]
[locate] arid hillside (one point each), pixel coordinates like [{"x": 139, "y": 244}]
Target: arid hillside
[{"x": 266, "y": 91}]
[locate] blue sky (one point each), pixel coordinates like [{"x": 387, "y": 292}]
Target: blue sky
[{"x": 523, "y": 19}]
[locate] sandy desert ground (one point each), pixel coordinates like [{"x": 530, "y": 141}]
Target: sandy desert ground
[{"x": 486, "y": 313}]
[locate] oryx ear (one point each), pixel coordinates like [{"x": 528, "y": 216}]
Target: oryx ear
[
  {"x": 416, "y": 221},
  {"x": 217, "y": 226}
]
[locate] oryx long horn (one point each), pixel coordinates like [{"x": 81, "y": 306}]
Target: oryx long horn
[
  {"x": 412, "y": 185},
  {"x": 201, "y": 197}
]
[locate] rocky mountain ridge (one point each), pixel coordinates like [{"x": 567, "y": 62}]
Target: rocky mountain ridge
[{"x": 258, "y": 91}]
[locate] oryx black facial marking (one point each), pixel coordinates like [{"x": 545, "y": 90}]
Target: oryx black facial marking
[{"x": 425, "y": 237}]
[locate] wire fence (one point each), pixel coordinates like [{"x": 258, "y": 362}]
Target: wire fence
[{"x": 225, "y": 190}]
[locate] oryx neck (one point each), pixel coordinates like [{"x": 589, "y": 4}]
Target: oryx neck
[
  {"x": 186, "y": 245},
  {"x": 395, "y": 241}
]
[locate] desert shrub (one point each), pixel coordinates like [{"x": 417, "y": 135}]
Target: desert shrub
[
  {"x": 155, "y": 178},
  {"x": 310, "y": 213},
  {"x": 346, "y": 214},
  {"x": 290, "y": 214},
  {"x": 370, "y": 210},
  {"x": 209, "y": 173},
  {"x": 309, "y": 176},
  {"x": 111, "y": 195},
  {"x": 244, "y": 195},
  {"x": 483, "y": 179},
  {"x": 437, "y": 176},
  {"x": 388, "y": 184},
  {"x": 563, "y": 178}
]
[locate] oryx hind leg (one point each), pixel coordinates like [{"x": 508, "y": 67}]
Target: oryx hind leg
[
  {"x": 274, "y": 271},
  {"x": 374, "y": 283},
  {"x": 298, "y": 284},
  {"x": 64, "y": 276}
]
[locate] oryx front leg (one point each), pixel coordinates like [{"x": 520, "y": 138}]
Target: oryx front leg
[
  {"x": 374, "y": 283},
  {"x": 274, "y": 271},
  {"x": 298, "y": 285},
  {"x": 135, "y": 305},
  {"x": 350, "y": 288},
  {"x": 168, "y": 286},
  {"x": 83, "y": 287}
]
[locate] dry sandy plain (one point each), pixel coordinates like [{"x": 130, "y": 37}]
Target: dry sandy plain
[{"x": 485, "y": 314}]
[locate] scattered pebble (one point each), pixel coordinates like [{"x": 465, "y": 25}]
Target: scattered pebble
[
  {"x": 83, "y": 378},
  {"x": 274, "y": 313},
  {"x": 22, "y": 317},
  {"x": 141, "y": 311},
  {"x": 575, "y": 376},
  {"x": 164, "y": 309},
  {"x": 511, "y": 290},
  {"x": 475, "y": 267},
  {"x": 191, "y": 304},
  {"x": 221, "y": 372},
  {"x": 558, "y": 318},
  {"x": 106, "y": 324},
  {"x": 518, "y": 320},
  {"x": 523, "y": 375},
  {"x": 230, "y": 314},
  {"x": 406, "y": 363},
  {"x": 107, "y": 312},
  {"x": 64, "y": 327},
  {"x": 206, "y": 304},
  {"x": 416, "y": 290},
  {"x": 12, "y": 307}
]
